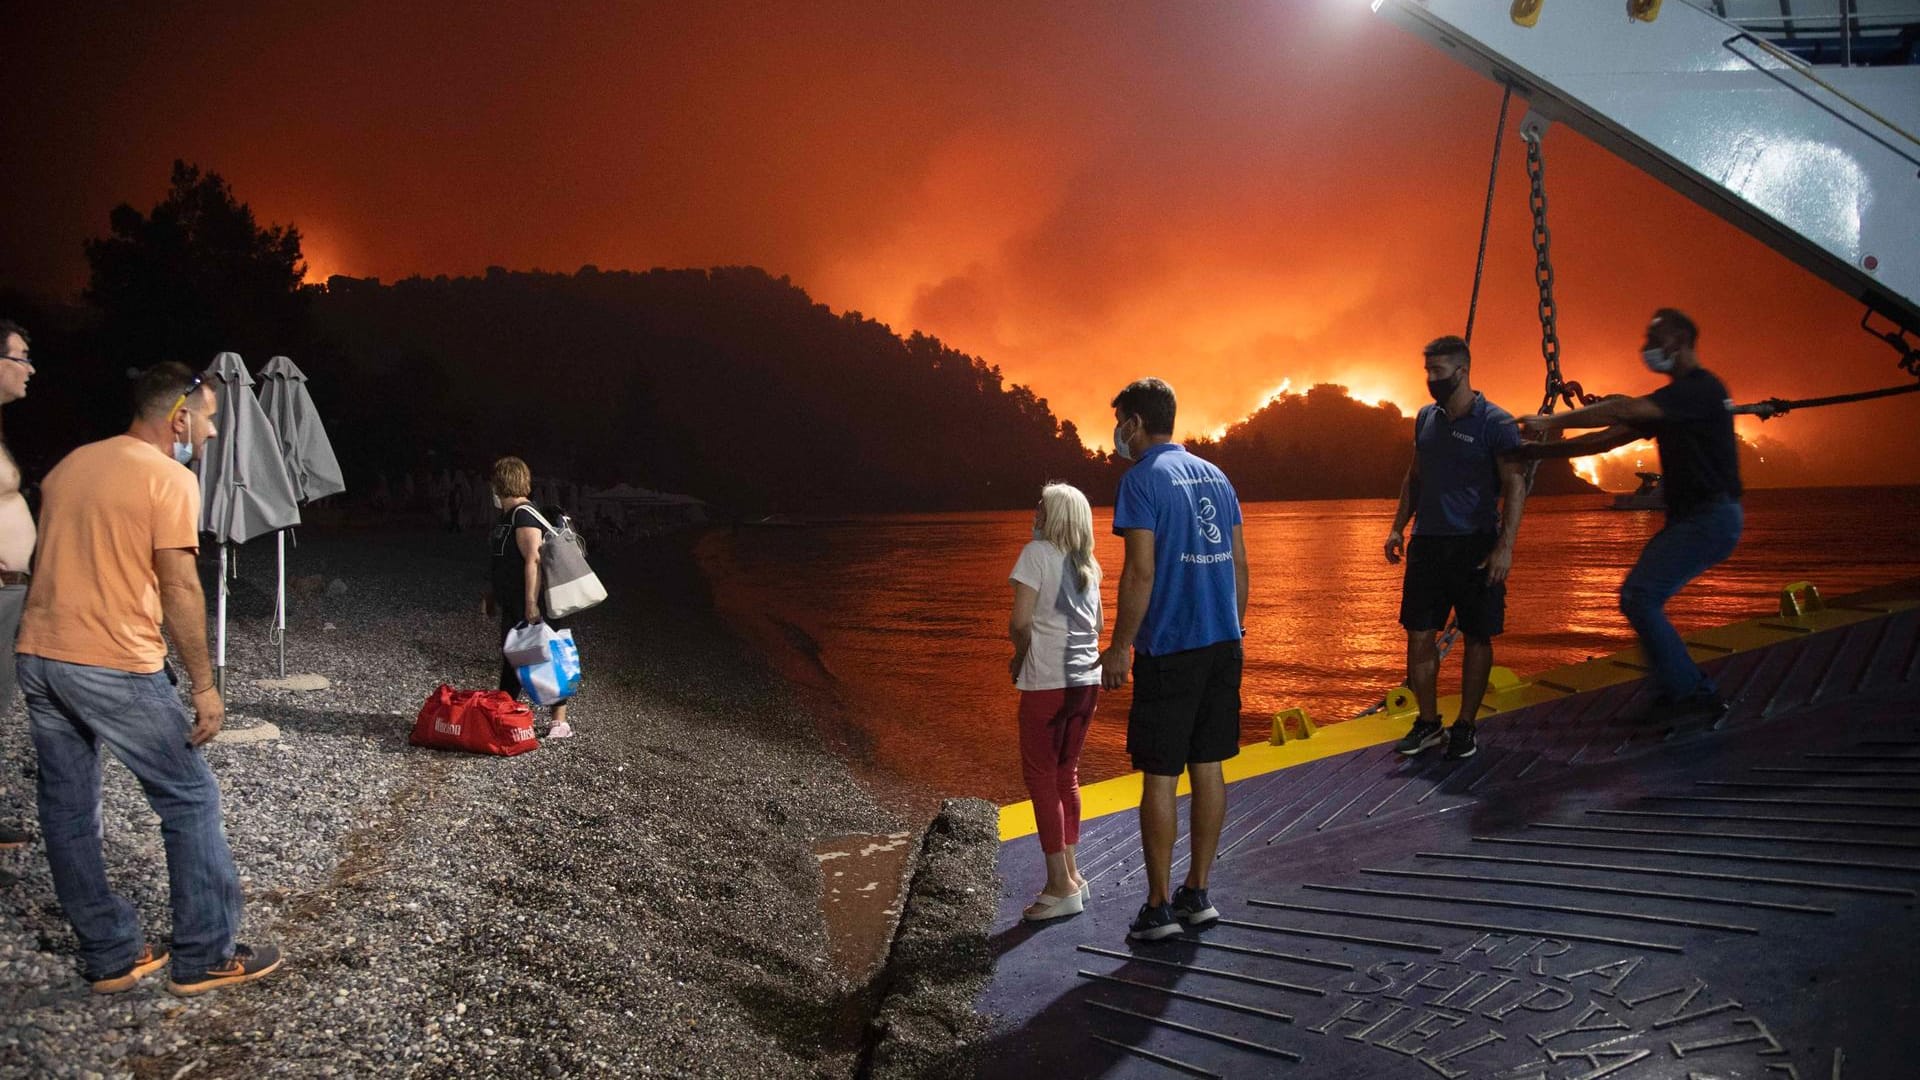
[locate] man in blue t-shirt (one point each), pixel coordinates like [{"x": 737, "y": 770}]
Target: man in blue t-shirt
[
  {"x": 1692, "y": 420},
  {"x": 1465, "y": 503},
  {"x": 1183, "y": 601}
]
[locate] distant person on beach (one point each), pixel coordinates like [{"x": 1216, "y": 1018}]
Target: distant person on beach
[
  {"x": 17, "y": 534},
  {"x": 1055, "y": 629},
  {"x": 1183, "y": 606},
  {"x": 1465, "y": 502},
  {"x": 517, "y": 594},
  {"x": 1691, "y": 419},
  {"x": 457, "y": 502},
  {"x": 120, "y": 531}
]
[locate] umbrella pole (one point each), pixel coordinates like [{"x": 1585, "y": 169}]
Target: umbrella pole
[
  {"x": 280, "y": 603},
  {"x": 220, "y": 666}
]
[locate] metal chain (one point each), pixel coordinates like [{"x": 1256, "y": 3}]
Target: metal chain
[
  {"x": 1558, "y": 388},
  {"x": 1543, "y": 269}
]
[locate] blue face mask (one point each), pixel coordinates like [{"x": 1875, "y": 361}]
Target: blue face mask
[
  {"x": 183, "y": 451},
  {"x": 1120, "y": 445},
  {"x": 1657, "y": 360}
]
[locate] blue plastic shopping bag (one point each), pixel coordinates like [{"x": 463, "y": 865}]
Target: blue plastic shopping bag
[{"x": 546, "y": 660}]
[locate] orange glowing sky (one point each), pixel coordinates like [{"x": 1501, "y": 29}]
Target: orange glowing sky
[{"x": 1233, "y": 196}]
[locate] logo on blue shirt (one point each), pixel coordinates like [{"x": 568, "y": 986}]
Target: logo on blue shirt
[{"x": 1208, "y": 528}]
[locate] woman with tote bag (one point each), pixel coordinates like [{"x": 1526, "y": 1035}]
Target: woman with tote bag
[{"x": 518, "y": 593}]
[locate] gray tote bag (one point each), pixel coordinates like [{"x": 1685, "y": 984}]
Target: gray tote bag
[{"x": 571, "y": 584}]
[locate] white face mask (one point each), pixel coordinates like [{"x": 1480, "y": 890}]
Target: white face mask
[
  {"x": 183, "y": 451},
  {"x": 496, "y": 503},
  {"x": 1657, "y": 360},
  {"x": 1120, "y": 445}
]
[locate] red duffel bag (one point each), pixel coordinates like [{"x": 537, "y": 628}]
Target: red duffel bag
[{"x": 476, "y": 721}]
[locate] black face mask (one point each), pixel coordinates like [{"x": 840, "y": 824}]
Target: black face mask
[{"x": 1442, "y": 389}]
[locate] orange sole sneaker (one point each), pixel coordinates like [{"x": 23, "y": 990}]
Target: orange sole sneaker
[
  {"x": 247, "y": 965},
  {"x": 148, "y": 963}
]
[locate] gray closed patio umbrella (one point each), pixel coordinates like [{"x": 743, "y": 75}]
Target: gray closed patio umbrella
[
  {"x": 244, "y": 488},
  {"x": 311, "y": 464},
  {"x": 304, "y": 446}
]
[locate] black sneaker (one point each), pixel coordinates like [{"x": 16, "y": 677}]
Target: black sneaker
[
  {"x": 1190, "y": 906},
  {"x": 11, "y": 838},
  {"x": 1425, "y": 733},
  {"x": 1460, "y": 741},
  {"x": 246, "y": 965},
  {"x": 1153, "y": 923}
]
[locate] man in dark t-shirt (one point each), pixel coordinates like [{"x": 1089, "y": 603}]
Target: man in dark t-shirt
[
  {"x": 1692, "y": 420},
  {"x": 1465, "y": 502}
]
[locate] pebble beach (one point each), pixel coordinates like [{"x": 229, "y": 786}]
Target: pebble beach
[{"x": 640, "y": 900}]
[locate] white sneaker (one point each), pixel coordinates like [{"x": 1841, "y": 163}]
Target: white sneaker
[{"x": 562, "y": 730}]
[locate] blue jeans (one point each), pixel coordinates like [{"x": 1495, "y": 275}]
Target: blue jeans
[
  {"x": 1677, "y": 554},
  {"x": 72, "y": 709}
]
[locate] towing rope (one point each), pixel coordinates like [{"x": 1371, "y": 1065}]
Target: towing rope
[
  {"x": 1486, "y": 215},
  {"x": 1772, "y": 407}
]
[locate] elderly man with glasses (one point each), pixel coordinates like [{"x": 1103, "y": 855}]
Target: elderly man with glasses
[{"x": 17, "y": 534}]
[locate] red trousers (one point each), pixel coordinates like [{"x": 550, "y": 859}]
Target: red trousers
[{"x": 1053, "y": 728}]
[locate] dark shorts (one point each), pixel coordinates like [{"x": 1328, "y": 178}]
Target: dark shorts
[
  {"x": 1186, "y": 708},
  {"x": 1444, "y": 575}
]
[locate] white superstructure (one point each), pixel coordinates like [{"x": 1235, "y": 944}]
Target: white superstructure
[{"x": 1820, "y": 160}]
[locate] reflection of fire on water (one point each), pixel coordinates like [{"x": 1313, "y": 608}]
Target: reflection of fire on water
[{"x": 1614, "y": 469}]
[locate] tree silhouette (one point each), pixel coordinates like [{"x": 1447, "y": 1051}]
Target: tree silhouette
[
  {"x": 196, "y": 276},
  {"x": 1325, "y": 445}
]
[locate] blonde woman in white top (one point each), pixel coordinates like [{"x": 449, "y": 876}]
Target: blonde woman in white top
[{"x": 1056, "y": 627}]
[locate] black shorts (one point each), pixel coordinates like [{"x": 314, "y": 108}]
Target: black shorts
[
  {"x": 1186, "y": 708},
  {"x": 1444, "y": 575}
]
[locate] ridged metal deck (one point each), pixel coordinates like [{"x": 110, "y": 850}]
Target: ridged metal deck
[{"x": 1584, "y": 898}]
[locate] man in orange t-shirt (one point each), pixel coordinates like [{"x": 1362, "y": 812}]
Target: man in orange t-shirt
[{"x": 119, "y": 536}]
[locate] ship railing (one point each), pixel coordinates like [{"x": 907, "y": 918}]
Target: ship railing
[{"x": 1849, "y": 36}]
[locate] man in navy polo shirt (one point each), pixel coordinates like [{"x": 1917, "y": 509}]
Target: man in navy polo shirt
[
  {"x": 1466, "y": 502},
  {"x": 1183, "y": 601}
]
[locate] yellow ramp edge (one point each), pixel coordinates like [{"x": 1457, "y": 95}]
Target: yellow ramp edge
[{"x": 1504, "y": 695}]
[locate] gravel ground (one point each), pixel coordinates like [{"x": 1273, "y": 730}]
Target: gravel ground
[
  {"x": 637, "y": 901},
  {"x": 927, "y": 1027}
]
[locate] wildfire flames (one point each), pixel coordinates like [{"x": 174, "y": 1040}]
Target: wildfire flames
[{"x": 1614, "y": 469}]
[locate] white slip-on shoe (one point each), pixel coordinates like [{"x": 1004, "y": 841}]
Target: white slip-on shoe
[{"x": 1053, "y": 907}]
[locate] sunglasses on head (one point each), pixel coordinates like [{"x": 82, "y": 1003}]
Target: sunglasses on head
[{"x": 198, "y": 381}]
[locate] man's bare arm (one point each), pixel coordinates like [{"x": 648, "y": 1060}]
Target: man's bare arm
[
  {"x": 1136, "y": 593},
  {"x": 1513, "y": 501},
  {"x": 1596, "y": 442},
  {"x": 1600, "y": 414},
  {"x": 1396, "y": 545},
  {"x": 184, "y": 607},
  {"x": 1136, "y": 588}
]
